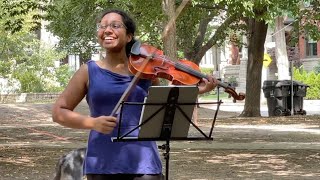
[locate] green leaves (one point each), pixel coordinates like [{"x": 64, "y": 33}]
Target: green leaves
[
  {"x": 312, "y": 79},
  {"x": 22, "y": 57},
  {"x": 13, "y": 12}
]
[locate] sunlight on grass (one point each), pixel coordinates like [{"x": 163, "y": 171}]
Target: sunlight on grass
[{"x": 214, "y": 95}]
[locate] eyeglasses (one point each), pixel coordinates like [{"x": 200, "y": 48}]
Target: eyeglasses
[{"x": 113, "y": 25}]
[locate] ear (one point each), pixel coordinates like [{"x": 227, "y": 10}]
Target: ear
[{"x": 129, "y": 37}]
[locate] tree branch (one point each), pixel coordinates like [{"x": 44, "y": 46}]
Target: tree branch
[
  {"x": 219, "y": 32},
  {"x": 173, "y": 20},
  {"x": 201, "y": 33}
]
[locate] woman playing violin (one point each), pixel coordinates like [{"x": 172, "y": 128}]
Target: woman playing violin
[{"x": 102, "y": 83}]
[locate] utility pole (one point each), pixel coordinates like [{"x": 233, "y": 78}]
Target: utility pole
[{"x": 291, "y": 93}]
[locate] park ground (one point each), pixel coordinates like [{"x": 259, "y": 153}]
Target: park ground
[{"x": 284, "y": 147}]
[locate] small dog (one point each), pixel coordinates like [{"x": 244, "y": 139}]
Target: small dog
[{"x": 70, "y": 165}]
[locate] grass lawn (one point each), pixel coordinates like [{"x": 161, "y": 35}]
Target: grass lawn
[{"x": 214, "y": 95}]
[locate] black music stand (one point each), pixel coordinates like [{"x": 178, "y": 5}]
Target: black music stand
[{"x": 166, "y": 115}]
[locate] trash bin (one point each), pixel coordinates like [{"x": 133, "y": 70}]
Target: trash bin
[
  {"x": 278, "y": 94},
  {"x": 299, "y": 92}
]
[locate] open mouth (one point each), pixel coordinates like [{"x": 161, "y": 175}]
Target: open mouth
[{"x": 109, "y": 38}]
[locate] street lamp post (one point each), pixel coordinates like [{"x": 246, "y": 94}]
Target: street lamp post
[{"x": 291, "y": 93}]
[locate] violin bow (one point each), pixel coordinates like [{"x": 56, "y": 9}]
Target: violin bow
[
  {"x": 136, "y": 51},
  {"x": 126, "y": 93}
]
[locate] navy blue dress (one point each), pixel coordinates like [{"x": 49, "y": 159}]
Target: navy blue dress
[{"x": 103, "y": 155}]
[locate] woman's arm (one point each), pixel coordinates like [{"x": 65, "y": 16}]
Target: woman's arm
[
  {"x": 75, "y": 91},
  {"x": 63, "y": 113}
]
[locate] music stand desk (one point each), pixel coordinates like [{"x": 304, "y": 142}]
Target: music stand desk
[{"x": 166, "y": 116}]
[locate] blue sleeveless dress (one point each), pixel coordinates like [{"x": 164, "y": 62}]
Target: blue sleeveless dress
[{"x": 103, "y": 155}]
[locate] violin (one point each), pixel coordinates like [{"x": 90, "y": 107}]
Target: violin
[{"x": 150, "y": 63}]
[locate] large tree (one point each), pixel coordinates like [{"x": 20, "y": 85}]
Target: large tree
[{"x": 257, "y": 31}]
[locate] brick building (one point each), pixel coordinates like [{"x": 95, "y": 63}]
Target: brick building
[{"x": 309, "y": 52}]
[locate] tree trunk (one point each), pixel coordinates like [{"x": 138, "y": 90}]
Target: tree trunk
[
  {"x": 257, "y": 31},
  {"x": 281, "y": 50},
  {"x": 169, "y": 38}
]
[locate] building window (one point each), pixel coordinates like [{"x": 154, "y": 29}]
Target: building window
[{"x": 311, "y": 47}]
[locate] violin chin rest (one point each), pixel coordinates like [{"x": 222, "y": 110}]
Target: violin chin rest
[{"x": 135, "y": 49}]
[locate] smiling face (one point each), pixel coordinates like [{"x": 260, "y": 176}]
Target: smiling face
[{"x": 112, "y": 33}]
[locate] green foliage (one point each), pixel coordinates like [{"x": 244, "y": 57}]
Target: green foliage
[
  {"x": 14, "y": 48},
  {"x": 74, "y": 23},
  {"x": 29, "y": 81},
  {"x": 299, "y": 74},
  {"x": 36, "y": 72},
  {"x": 12, "y": 14},
  {"x": 23, "y": 58},
  {"x": 63, "y": 75},
  {"x": 206, "y": 70},
  {"x": 213, "y": 95},
  {"x": 5, "y": 67},
  {"x": 311, "y": 79},
  {"x": 316, "y": 69},
  {"x": 309, "y": 18}
]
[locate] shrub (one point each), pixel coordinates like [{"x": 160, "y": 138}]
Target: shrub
[
  {"x": 63, "y": 75},
  {"x": 206, "y": 70},
  {"x": 311, "y": 79},
  {"x": 317, "y": 68}
]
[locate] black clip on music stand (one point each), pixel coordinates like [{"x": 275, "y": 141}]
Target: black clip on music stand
[{"x": 170, "y": 121}]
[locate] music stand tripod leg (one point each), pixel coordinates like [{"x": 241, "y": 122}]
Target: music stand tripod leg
[
  {"x": 166, "y": 156},
  {"x": 167, "y": 125}
]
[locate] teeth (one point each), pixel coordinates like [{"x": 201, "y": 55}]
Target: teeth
[{"x": 108, "y": 38}]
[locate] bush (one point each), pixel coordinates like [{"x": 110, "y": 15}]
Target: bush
[
  {"x": 30, "y": 81},
  {"x": 206, "y": 70},
  {"x": 311, "y": 79},
  {"x": 317, "y": 68},
  {"x": 63, "y": 75}
]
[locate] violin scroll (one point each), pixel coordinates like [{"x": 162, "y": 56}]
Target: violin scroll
[{"x": 233, "y": 93}]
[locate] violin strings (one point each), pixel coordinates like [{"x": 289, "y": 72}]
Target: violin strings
[
  {"x": 181, "y": 66},
  {"x": 190, "y": 70}
]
